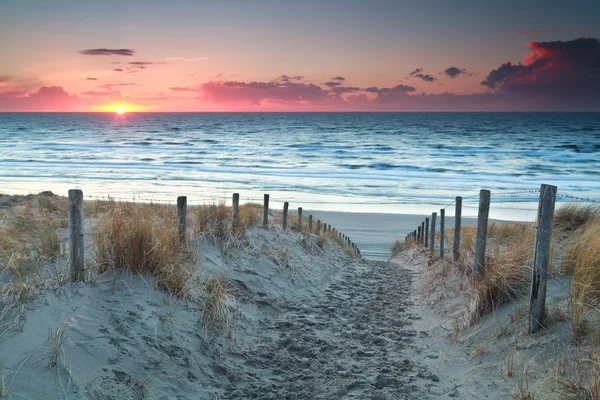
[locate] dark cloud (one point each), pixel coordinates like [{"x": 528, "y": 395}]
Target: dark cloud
[
  {"x": 332, "y": 84},
  {"x": 338, "y": 78},
  {"x": 538, "y": 32},
  {"x": 118, "y": 69},
  {"x": 344, "y": 89},
  {"x": 416, "y": 71},
  {"x": 256, "y": 93},
  {"x": 287, "y": 78},
  {"x": 107, "y": 52},
  {"x": 394, "y": 90},
  {"x": 140, "y": 64},
  {"x": 91, "y": 79},
  {"x": 453, "y": 72},
  {"x": 425, "y": 77},
  {"x": 554, "y": 72}
]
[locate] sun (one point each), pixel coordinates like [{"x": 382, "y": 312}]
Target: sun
[{"x": 120, "y": 111}]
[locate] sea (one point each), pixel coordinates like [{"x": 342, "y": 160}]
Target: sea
[{"x": 386, "y": 163}]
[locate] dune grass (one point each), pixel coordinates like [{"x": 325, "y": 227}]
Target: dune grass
[
  {"x": 217, "y": 311},
  {"x": 325, "y": 237},
  {"x": 143, "y": 239},
  {"x": 398, "y": 246},
  {"x": 582, "y": 260},
  {"x": 507, "y": 271},
  {"x": 213, "y": 220},
  {"x": 572, "y": 216}
]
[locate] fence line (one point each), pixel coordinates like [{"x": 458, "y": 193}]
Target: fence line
[
  {"x": 568, "y": 196},
  {"x": 540, "y": 263}
]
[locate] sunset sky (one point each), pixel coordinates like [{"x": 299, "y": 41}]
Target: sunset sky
[{"x": 306, "y": 55}]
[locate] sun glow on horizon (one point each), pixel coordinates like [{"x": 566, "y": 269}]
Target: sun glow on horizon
[{"x": 120, "y": 111}]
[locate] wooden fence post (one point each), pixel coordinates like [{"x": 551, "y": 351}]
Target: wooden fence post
[
  {"x": 76, "y": 235},
  {"x": 266, "y": 211},
  {"x": 235, "y": 215},
  {"x": 442, "y": 227},
  {"x": 300, "y": 219},
  {"x": 426, "y": 232},
  {"x": 324, "y": 227},
  {"x": 482, "y": 224},
  {"x": 310, "y": 223},
  {"x": 541, "y": 257},
  {"x": 182, "y": 218},
  {"x": 457, "y": 225},
  {"x": 432, "y": 233},
  {"x": 422, "y": 241},
  {"x": 418, "y": 232},
  {"x": 285, "y": 214},
  {"x": 318, "y": 227}
]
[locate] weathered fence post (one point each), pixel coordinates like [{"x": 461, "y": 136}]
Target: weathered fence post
[
  {"x": 324, "y": 227},
  {"x": 442, "y": 227},
  {"x": 418, "y": 232},
  {"x": 422, "y": 241},
  {"x": 482, "y": 224},
  {"x": 235, "y": 215},
  {"x": 310, "y": 223},
  {"x": 182, "y": 218},
  {"x": 285, "y": 214},
  {"x": 266, "y": 211},
  {"x": 76, "y": 235},
  {"x": 541, "y": 257},
  {"x": 432, "y": 233},
  {"x": 318, "y": 227},
  {"x": 300, "y": 219},
  {"x": 426, "y": 232},
  {"x": 457, "y": 224}
]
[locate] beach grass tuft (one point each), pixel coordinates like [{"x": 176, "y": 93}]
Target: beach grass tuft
[
  {"x": 573, "y": 216},
  {"x": 582, "y": 260},
  {"x": 131, "y": 236},
  {"x": 216, "y": 307}
]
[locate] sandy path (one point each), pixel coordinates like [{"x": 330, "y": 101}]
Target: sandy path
[{"x": 350, "y": 342}]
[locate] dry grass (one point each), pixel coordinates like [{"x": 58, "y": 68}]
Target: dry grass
[
  {"x": 583, "y": 261},
  {"x": 573, "y": 216},
  {"x": 213, "y": 220},
  {"x": 50, "y": 243},
  {"x": 217, "y": 311},
  {"x": 398, "y": 246},
  {"x": 56, "y": 337},
  {"x": 143, "y": 239},
  {"x": 30, "y": 225},
  {"x": 584, "y": 381},
  {"x": 507, "y": 271},
  {"x": 325, "y": 237}
]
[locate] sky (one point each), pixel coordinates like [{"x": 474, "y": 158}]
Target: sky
[{"x": 288, "y": 55}]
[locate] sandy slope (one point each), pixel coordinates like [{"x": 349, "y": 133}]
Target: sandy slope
[
  {"x": 496, "y": 357},
  {"x": 305, "y": 323}
]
